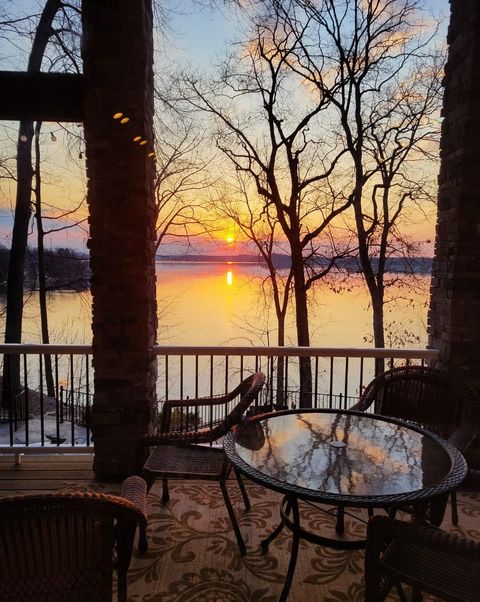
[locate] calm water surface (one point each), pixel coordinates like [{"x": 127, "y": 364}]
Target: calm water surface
[{"x": 223, "y": 304}]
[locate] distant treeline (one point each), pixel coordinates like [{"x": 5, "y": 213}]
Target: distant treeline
[
  {"x": 65, "y": 269},
  {"x": 401, "y": 265},
  {"x": 393, "y": 265}
]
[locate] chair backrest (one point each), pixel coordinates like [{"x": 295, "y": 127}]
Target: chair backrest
[
  {"x": 443, "y": 564},
  {"x": 203, "y": 419},
  {"x": 427, "y": 396},
  {"x": 65, "y": 546},
  {"x": 248, "y": 391}
]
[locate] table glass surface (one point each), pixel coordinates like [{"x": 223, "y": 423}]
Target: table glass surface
[{"x": 341, "y": 453}]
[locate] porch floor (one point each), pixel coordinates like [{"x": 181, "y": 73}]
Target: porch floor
[{"x": 193, "y": 555}]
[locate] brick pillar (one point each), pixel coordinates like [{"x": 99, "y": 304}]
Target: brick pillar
[
  {"x": 118, "y": 57},
  {"x": 454, "y": 317}
]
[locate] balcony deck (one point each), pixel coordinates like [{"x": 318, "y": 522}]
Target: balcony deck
[{"x": 193, "y": 556}]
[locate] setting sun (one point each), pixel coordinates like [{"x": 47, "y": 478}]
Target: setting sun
[{"x": 230, "y": 238}]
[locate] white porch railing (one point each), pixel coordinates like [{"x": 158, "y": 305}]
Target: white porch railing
[{"x": 40, "y": 423}]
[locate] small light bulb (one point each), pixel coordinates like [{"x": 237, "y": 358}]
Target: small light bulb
[
  {"x": 151, "y": 155},
  {"x": 137, "y": 138},
  {"x": 124, "y": 120},
  {"x": 23, "y": 138},
  {"x": 143, "y": 142},
  {"x": 118, "y": 115}
]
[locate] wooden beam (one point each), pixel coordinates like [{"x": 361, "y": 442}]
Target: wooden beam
[{"x": 41, "y": 96}]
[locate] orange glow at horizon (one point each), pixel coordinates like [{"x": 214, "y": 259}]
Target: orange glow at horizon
[{"x": 230, "y": 238}]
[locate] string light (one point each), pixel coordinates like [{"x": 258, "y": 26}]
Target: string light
[{"x": 124, "y": 119}]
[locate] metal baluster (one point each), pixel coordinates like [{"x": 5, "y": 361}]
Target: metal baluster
[
  {"x": 181, "y": 377},
  {"x": 87, "y": 404},
  {"x": 226, "y": 386},
  {"x": 196, "y": 376},
  {"x": 316, "y": 382},
  {"x": 166, "y": 378},
  {"x": 271, "y": 381},
  {"x": 42, "y": 417},
  {"x": 58, "y": 407},
  {"x": 330, "y": 396},
  {"x": 286, "y": 382},
  {"x": 11, "y": 401},
  {"x": 346, "y": 384},
  {"x": 226, "y": 374},
  {"x": 26, "y": 408},
  {"x": 360, "y": 387},
  {"x": 211, "y": 375},
  {"x": 72, "y": 402}
]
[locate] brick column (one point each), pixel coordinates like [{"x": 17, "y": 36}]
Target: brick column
[
  {"x": 454, "y": 317},
  {"x": 118, "y": 57}
]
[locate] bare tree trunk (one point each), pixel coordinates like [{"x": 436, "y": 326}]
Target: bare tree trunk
[
  {"x": 303, "y": 332},
  {"x": 378, "y": 327},
  {"x": 16, "y": 263},
  {"x": 376, "y": 291},
  {"x": 42, "y": 281},
  {"x": 280, "y": 394},
  {"x": 15, "y": 278}
]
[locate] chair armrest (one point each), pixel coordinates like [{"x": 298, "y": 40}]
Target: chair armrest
[
  {"x": 190, "y": 406},
  {"x": 177, "y": 437},
  {"x": 196, "y": 401},
  {"x": 463, "y": 436},
  {"x": 360, "y": 406},
  {"x": 134, "y": 490}
]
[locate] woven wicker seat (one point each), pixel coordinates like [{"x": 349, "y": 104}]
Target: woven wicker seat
[
  {"x": 64, "y": 546},
  {"x": 181, "y": 449},
  {"x": 426, "y": 558},
  {"x": 434, "y": 399}
]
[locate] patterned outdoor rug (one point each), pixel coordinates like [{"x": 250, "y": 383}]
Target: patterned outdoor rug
[{"x": 193, "y": 555}]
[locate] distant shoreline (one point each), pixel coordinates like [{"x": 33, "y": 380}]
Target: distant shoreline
[
  {"x": 209, "y": 259},
  {"x": 415, "y": 265}
]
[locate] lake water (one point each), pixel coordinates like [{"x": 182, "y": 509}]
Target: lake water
[{"x": 221, "y": 304}]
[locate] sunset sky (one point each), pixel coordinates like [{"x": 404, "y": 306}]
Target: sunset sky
[{"x": 195, "y": 36}]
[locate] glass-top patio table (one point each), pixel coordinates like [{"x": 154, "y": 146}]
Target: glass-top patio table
[{"x": 344, "y": 459}]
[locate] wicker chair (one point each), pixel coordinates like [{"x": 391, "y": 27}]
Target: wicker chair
[
  {"x": 435, "y": 399},
  {"x": 64, "y": 546},
  {"x": 428, "y": 559},
  {"x": 177, "y": 453}
]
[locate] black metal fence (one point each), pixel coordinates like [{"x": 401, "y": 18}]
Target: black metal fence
[{"x": 54, "y": 409}]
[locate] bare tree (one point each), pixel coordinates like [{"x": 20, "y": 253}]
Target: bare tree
[
  {"x": 258, "y": 225},
  {"x": 44, "y": 33},
  {"x": 267, "y": 127},
  {"x": 374, "y": 63},
  {"x": 181, "y": 178},
  {"x": 400, "y": 137},
  {"x": 41, "y": 234}
]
